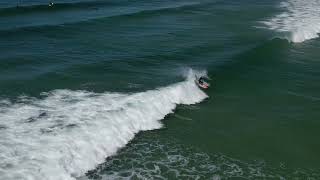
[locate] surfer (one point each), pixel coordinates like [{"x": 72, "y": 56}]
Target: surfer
[
  {"x": 51, "y": 4},
  {"x": 201, "y": 80},
  {"x": 202, "y": 83}
]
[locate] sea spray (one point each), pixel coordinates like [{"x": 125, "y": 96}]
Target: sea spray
[
  {"x": 67, "y": 133},
  {"x": 299, "y": 22}
]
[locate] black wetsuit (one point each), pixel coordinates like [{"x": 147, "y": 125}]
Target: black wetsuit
[{"x": 201, "y": 79}]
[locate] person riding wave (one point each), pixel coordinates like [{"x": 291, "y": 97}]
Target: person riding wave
[{"x": 201, "y": 80}]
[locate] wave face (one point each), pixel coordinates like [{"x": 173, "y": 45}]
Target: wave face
[
  {"x": 299, "y": 22},
  {"x": 66, "y": 133}
]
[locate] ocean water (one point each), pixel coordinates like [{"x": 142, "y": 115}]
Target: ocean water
[{"x": 104, "y": 89}]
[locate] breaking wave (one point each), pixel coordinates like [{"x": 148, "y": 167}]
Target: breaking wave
[
  {"x": 66, "y": 133},
  {"x": 299, "y": 22}
]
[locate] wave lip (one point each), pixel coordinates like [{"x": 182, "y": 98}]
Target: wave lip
[
  {"x": 299, "y": 22},
  {"x": 67, "y": 133}
]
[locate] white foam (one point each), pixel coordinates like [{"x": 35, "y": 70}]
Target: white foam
[
  {"x": 299, "y": 22},
  {"x": 67, "y": 133}
]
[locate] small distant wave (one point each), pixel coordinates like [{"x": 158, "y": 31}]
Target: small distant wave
[
  {"x": 299, "y": 22},
  {"x": 31, "y": 16},
  {"x": 33, "y": 8},
  {"x": 66, "y": 133}
]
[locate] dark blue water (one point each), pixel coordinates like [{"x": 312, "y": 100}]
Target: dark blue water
[{"x": 105, "y": 89}]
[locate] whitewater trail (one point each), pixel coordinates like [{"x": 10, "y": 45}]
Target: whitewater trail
[
  {"x": 66, "y": 133},
  {"x": 299, "y": 22}
]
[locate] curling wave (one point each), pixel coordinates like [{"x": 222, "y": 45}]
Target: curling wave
[
  {"x": 66, "y": 133},
  {"x": 299, "y": 22}
]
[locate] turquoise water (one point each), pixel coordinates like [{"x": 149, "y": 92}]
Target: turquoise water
[{"x": 105, "y": 89}]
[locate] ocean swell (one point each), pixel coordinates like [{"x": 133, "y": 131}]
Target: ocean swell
[
  {"x": 66, "y": 133},
  {"x": 299, "y": 22}
]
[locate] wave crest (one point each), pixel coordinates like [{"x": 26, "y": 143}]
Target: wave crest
[
  {"x": 299, "y": 22},
  {"x": 67, "y": 133}
]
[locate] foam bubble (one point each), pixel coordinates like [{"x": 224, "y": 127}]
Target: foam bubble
[
  {"x": 148, "y": 158},
  {"x": 66, "y": 133},
  {"x": 299, "y": 22}
]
